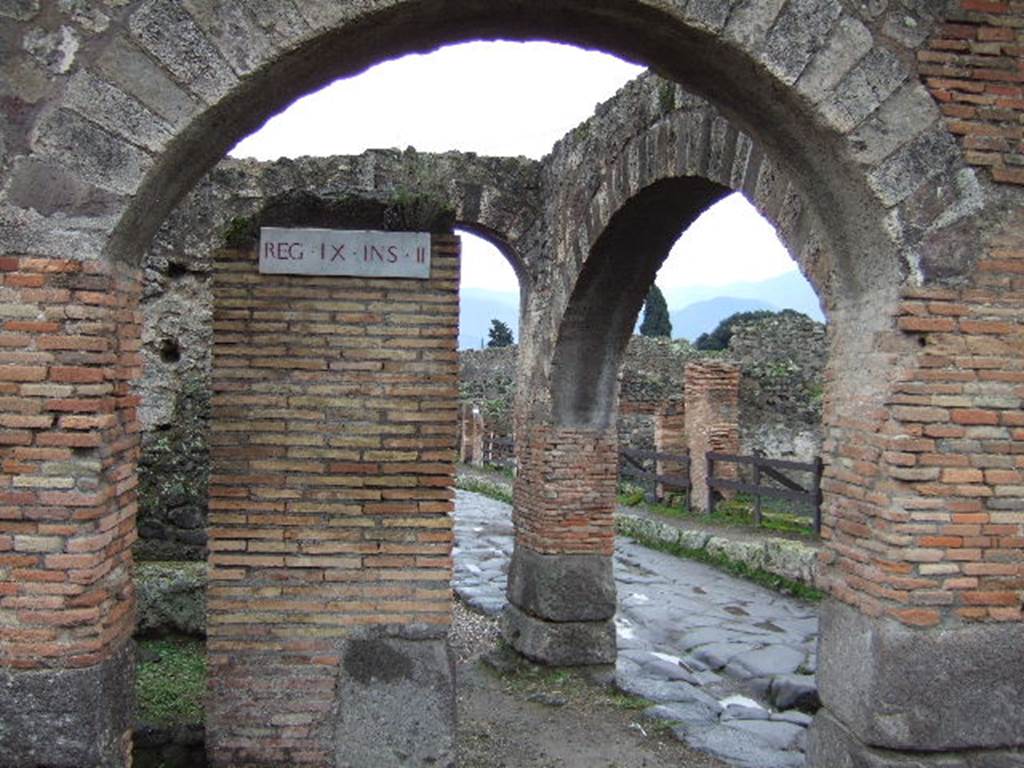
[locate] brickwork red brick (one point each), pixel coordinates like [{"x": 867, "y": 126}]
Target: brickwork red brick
[
  {"x": 926, "y": 516},
  {"x": 670, "y": 437},
  {"x": 69, "y": 351},
  {"x": 974, "y": 68},
  {"x": 712, "y": 421},
  {"x": 333, "y": 447},
  {"x": 565, "y": 490}
]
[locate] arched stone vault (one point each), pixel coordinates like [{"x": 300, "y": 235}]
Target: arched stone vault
[{"x": 111, "y": 115}]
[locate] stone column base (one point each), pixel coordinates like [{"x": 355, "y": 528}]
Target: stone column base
[
  {"x": 395, "y": 704},
  {"x": 830, "y": 745},
  {"x": 904, "y": 696},
  {"x": 560, "y": 643},
  {"x": 69, "y": 718}
]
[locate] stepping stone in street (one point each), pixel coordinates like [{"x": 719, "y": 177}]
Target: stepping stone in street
[
  {"x": 739, "y": 747},
  {"x": 769, "y": 661},
  {"x": 717, "y": 655}
]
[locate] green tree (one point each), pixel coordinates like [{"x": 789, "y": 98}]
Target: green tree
[
  {"x": 656, "y": 321},
  {"x": 719, "y": 338},
  {"x": 500, "y": 335}
]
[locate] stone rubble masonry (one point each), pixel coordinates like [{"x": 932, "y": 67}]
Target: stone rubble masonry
[
  {"x": 333, "y": 446},
  {"x": 712, "y": 422},
  {"x": 972, "y": 66},
  {"x": 69, "y": 351}
]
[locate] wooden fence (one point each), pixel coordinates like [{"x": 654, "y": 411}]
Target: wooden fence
[
  {"x": 499, "y": 451},
  {"x": 647, "y": 469},
  {"x": 764, "y": 469}
]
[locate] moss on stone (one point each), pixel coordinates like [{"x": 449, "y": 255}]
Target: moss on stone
[{"x": 170, "y": 681}]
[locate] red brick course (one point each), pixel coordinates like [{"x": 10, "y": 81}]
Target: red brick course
[
  {"x": 565, "y": 490},
  {"x": 974, "y": 68},
  {"x": 69, "y": 351},
  {"x": 925, "y": 513}
]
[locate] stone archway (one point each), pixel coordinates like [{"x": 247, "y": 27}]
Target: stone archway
[{"x": 112, "y": 117}]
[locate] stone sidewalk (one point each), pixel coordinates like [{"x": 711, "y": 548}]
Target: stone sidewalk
[{"x": 728, "y": 664}]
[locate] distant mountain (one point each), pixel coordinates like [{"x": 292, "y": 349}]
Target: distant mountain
[
  {"x": 477, "y": 307},
  {"x": 694, "y": 309},
  {"x": 786, "y": 291},
  {"x": 702, "y": 316}
]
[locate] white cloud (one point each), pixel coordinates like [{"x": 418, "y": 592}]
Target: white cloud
[
  {"x": 497, "y": 98},
  {"x": 729, "y": 242}
]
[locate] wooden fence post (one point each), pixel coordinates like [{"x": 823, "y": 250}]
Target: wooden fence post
[{"x": 710, "y": 463}]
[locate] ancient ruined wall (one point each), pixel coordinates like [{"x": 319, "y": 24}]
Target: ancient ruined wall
[
  {"x": 332, "y": 448},
  {"x": 782, "y": 359}
]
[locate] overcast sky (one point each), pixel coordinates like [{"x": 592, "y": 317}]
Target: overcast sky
[{"x": 504, "y": 99}]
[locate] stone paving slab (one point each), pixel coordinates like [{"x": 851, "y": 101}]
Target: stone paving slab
[{"x": 724, "y": 660}]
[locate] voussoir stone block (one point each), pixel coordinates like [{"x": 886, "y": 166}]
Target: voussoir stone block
[{"x": 562, "y": 587}]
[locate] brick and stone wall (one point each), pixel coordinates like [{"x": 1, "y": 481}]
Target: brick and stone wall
[
  {"x": 68, "y": 357},
  {"x": 333, "y": 446}
]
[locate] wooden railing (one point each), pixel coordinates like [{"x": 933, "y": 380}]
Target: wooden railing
[
  {"x": 644, "y": 468},
  {"x": 808, "y": 493},
  {"x": 499, "y": 451}
]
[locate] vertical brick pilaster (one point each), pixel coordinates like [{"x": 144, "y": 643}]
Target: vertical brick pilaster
[
  {"x": 69, "y": 352},
  {"x": 712, "y": 421},
  {"x": 670, "y": 437},
  {"x": 333, "y": 444}
]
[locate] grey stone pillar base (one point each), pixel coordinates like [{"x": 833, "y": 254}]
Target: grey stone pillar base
[
  {"x": 830, "y": 745},
  {"x": 889, "y": 689},
  {"x": 559, "y": 643},
  {"x": 562, "y": 587},
  {"x": 396, "y": 703},
  {"x": 69, "y": 718}
]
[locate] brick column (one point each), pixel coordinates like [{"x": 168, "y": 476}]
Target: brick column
[
  {"x": 465, "y": 432},
  {"x": 712, "y": 421},
  {"x": 669, "y": 437},
  {"x": 921, "y": 651},
  {"x": 69, "y": 443},
  {"x": 560, "y": 586},
  {"x": 333, "y": 449}
]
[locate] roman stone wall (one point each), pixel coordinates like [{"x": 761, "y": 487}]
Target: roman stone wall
[{"x": 782, "y": 360}]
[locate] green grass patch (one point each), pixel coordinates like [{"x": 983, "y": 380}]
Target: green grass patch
[
  {"x": 484, "y": 488},
  {"x": 776, "y": 515},
  {"x": 729, "y": 565},
  {"x": 170, "y": 681}
]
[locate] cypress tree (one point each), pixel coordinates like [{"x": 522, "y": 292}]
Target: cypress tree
[{"x": 656, "y": 321}]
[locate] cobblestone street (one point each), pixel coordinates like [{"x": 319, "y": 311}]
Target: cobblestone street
[{"x": 728, "y": 663}]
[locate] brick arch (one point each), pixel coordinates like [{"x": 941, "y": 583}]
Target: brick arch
[{"x": 111, "y": 118}]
